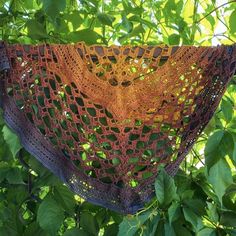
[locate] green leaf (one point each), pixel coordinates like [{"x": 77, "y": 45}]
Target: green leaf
[
  {"x": 229, "y": 197},
  {"x": 137, "y": 30},
  {"x": 228, "y": 218},
  {"x": 233, "y": 157},
  {"x": 212, "y": 212},
  {"x": 196, "y": 205},
  {"x": 232, "y": 20},
  {"x": 75, "y": 18},
  {"x": 65, "y": 198},
  {"x": 220, "y": 177},
  {"x": 174, "y": 39},
  {"x": 14, "y": 176},
  {"x": 36, "y": 30},
  {"x": 127, "y": 24},
  {"x": 105, "y": 19},
  {"x": 207, "y": 232},
  {"x": 128, "y": 8},
  {"x": 160, "y": 228},
  {"x": 102, "y": 218},
  {"x": 4, "y": 168},
  {"x": 87, "y": 35},
  {"x": 12, "y": 140},
  {"x": 151, "y": 226},
  {"x": 219, "y": 144},
  {"x": 111, "y": 230},
  {"x": 50, "y": 215},
  {"x": 88, "y": 222},
  {"x": 34, "y": 229},
  {"x": 174, "y": 211},
  {"x": 192, "y": 218},
  {"x": 76, "y": 232},
  {"x": 169, "y": 230},
  {"x": 227, "y": 109},
  {"x": 131, "y": 224},
  {"x": 181, "y": 229},
  {"x": 53, "y": 7},
  {"x": 165, "y": 188},
  {"x": 140, "y": 20},
  {"x": 211, "y": 20},
  {"x": 29, "y": 4}
]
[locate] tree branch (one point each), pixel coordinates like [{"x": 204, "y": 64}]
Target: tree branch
[{"x": 215, "y": 9}]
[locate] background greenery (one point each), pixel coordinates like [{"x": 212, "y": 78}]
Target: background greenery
[{"x": 200, "y": 200}]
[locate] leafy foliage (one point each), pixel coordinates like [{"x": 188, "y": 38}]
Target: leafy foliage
[{"x": 200, "y": 200}]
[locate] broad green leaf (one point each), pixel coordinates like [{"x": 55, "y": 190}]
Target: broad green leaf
[
  {"x": 219, "y": 144},
  {"x": 181, "y": 229},
  {"x": 36, "y": 30},
  {"x": 137, "y": 30},
  {"x": 4, "y": 168},
  {"x": 53, "y": 7},
  {"x": 76, "y": 232},
  {"x": 105, "y": 19},
  {"x": 17, "y": 194},
  {"x": 234, "y": 150},
  {"x": 111, "y": 230},
  {"x": 169, "y": 230},
  {"x": 5, "y": 212},
  {"x": 229, "y": 197},
  {"x": 207, "y": 232},
  {"x": 14, "y": 176},
  {"x": 232, "y": 20},
  {"x": 75, "y": 18},
  {"x": 160, "y": 228},
  {"x": 151, "y": 226},
  {"x": 212, "y": 212},
  {"x": 137, "y": 18},
  {"x": 196, "y": 205},
  {"x": 102, "y": 218},
  {"x": 34, "y": 229},
  {"x": 213, "y": 141},
  {"x": 131, "y": 224},
  {"x": 227, "y": 108},
  {"x": 130, "y": 9},
  {"x": 174, "y": 211},
  {"x": 50, "y": 215},
  {"x": 29, "y": 4},
  {"x": 174, "y": 39},
  {"x": 228, "y": 218},
  {"x": 192, "y": 218},
  {"x": 7, "y": 230},
  {"x": 12, "y": 140},
  {"x": 211, "y": 20},
  {"x": 116, "y": 217},
  {"x": 127, "y": 24},
  {"x": 87, "y": 35},
  {"x": 165, "y": 188},
  {"x": 88, "y": 223},
  {"x": 220, "y": 177},
  {"x": 232, "y": 125},
  {"x": 65, "y": 198}
]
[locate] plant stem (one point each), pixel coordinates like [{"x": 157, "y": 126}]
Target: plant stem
[
  {"x": 215, "y": 9},
  {"x": 194, "y": 28}
]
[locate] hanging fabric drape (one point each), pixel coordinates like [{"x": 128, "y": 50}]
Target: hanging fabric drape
[{"x": 104, "y": 119}]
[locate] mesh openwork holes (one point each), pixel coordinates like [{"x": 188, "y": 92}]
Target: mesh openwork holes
[{"x": 116, "y": 113}]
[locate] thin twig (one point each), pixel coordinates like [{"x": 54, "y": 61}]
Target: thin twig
[
  {"x": 222, "y": 35},
  {"x": 215, "y": 9},
  {"x": 196, "y": 155}
]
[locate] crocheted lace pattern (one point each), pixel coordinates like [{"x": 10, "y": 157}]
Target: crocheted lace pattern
[{"x": 104, "y": 119}]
